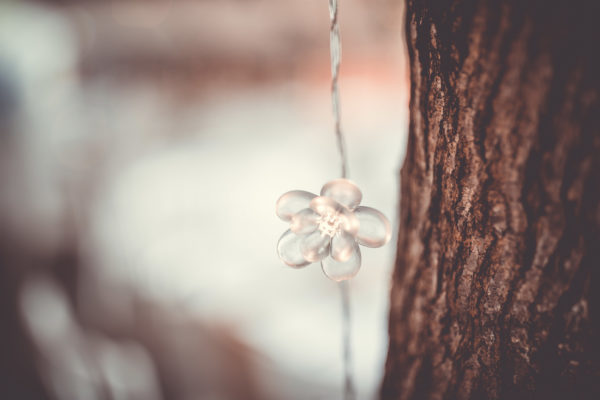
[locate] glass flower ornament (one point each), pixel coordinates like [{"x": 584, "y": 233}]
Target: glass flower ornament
[{"x": 329, "y": 228}]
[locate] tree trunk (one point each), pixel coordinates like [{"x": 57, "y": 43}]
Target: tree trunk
[{"x": 496, "y": 287}]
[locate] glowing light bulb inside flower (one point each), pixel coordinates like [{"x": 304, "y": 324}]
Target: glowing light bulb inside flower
[{"x": 329, "y": 228}]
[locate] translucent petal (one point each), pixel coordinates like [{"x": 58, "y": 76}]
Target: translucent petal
[
  {"x": 288, "y": 249},
  {"x": 315, "y": 246},
  {"x": 292, "y": 202},
  {"x": 351, "y": 224},
  {"x": 343, "y": 191},
  {"x": 326, "y": 205},
  {"x": 304, "y": 222},
  {"x": 341, "y": 271},
  {"x": 342, "y": 246},
  {"x": 374, "y": 229}
]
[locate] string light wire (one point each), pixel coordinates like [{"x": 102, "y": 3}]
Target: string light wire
[{"x": 335, "y": 47}]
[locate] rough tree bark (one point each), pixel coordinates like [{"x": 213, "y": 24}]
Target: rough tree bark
[{"x": 495, "y": 292}]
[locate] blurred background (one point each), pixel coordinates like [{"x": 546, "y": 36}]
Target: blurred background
[{"x": 143, "y": 145}]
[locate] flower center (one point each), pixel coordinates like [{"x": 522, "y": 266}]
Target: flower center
[{"x": 329, "y": 224}]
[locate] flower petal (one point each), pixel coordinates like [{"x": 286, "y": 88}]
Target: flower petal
[
  {"x": 343, "y": 191},
  {"x": 304, "y": 222},
  {"x": 315, "y": 246},
  {"x": 351, "y": 224},
  {"x": 292, "y": 202},
  {"x": 288, "y": 249},
  {"x": 375, "y": 229},
  {"x": 342, "y": 246},
  {"x": 341, "y": 271},
  {"x": 326, "y": 205}
]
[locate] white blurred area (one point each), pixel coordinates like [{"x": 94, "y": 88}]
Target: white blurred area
[{"x": 150, "y": 140}]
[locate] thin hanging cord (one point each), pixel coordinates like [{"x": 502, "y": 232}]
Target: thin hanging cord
[
  {"x": 335, "y": 47},
  {"x": 349, "y": 393}
]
